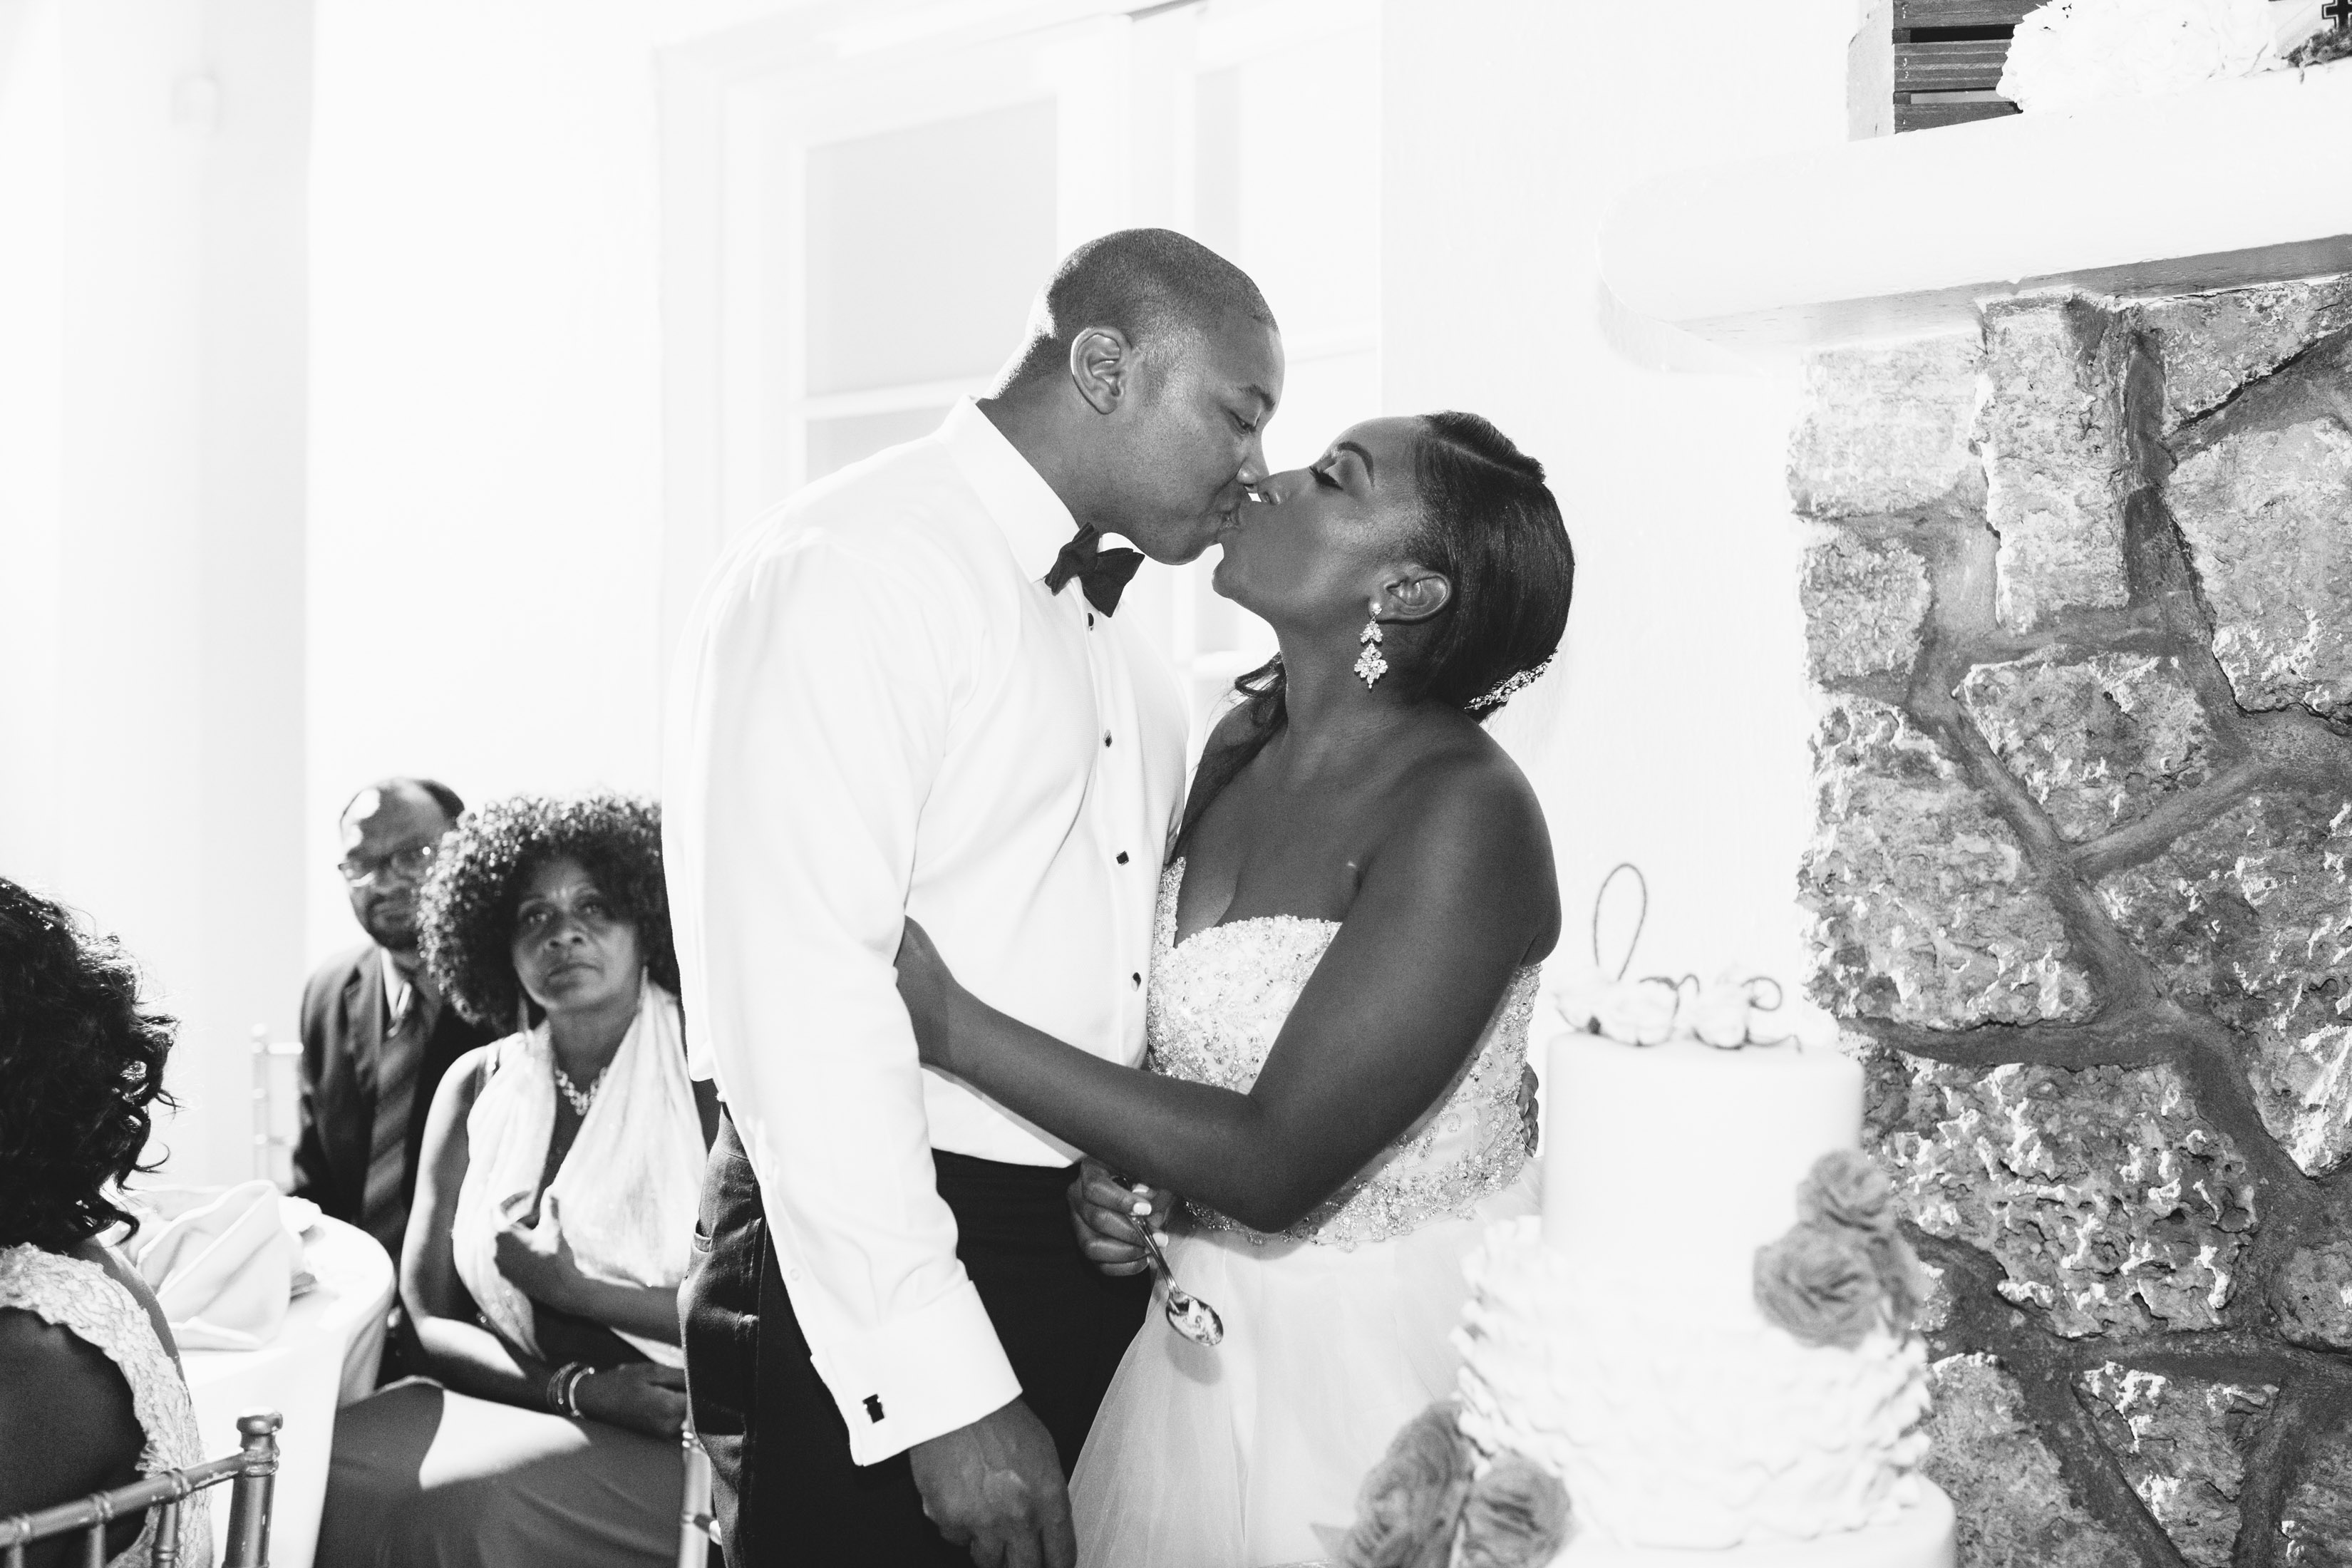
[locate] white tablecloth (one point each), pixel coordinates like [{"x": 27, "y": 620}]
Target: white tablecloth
[{"x": 322, "y": 1359}]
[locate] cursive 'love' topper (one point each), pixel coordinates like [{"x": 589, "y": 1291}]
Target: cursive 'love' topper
[{"x": 1728, "y": 1012}]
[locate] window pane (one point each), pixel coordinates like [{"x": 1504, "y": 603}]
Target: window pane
[
  {"x": 925, "y": 246},
  {"x": 837, "y": 443},
  {"x": 1217, "y": 160},
  {"x": 1287, "y": 180}
]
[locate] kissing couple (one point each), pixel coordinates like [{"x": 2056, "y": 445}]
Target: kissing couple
[{"x": 991, "y": 997}]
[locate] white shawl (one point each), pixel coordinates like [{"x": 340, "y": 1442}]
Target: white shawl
[{"x": 629, "y": 1185}]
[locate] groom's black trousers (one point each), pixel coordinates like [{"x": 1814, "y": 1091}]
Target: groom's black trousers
[{"x": 787, "y": 1493}]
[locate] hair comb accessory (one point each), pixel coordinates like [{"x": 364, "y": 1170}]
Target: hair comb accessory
[{"x": 1510, "y": 686}]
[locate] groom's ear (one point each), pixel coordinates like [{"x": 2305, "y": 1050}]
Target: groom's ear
[{"x": 1102, "y": 367}]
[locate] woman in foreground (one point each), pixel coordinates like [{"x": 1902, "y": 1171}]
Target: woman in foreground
[
  {"x": 90, "y": 1393},
  {"x": 554, "y": 1212},
  {"x": 1350, "y": 923}
]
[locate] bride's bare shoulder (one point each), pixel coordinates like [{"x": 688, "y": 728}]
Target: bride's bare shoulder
[
  {"x": 1465, "y": 781},
  {"x": 1465, "y": 816}
]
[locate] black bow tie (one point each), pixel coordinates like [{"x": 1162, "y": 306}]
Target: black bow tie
[{"x": 1102, "y": 574}]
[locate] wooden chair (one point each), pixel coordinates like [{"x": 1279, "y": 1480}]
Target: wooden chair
[
  {"x": 253, "y": 1471},
  {"x": 698, "y": 1528}
]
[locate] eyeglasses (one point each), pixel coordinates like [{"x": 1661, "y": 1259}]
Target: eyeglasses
[{"x": 408, "y": 865}]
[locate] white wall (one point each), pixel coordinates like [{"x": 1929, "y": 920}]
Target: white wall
[
  {"x": 1674, "y": 731},
  {"x": 151, "y": 186},
  {"x": 477, "y": 579},
  {"x": 488, "y": 447},
  {"x": 486, "y": 421}
]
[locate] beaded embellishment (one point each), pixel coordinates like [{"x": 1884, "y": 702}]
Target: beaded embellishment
[{"x": 1219, "y": 998}]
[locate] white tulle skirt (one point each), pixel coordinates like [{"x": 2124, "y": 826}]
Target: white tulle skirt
[{"x": 1230, "y": 1458}]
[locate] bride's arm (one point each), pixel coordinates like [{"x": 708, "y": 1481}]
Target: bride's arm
[{"x": 1447, "y": 909}]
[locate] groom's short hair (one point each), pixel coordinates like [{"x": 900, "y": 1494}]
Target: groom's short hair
[{"x": 1154, "y": 285}]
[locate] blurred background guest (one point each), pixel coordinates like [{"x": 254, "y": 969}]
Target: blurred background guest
[
  {"x": 90, "y": 1392},
  {"x": 553, "y": 1217},
  {"x": 376, "y": 1035}
]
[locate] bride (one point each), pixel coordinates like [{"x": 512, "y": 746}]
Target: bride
[{"x": 1350, "y": 923}]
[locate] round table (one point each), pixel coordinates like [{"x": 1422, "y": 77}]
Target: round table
[{"x": 324, "y": 1357}]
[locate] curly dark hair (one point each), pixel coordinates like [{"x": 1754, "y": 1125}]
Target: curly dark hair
[
  {"x": 465, "y": 914},
  {"x": 80, "y": 1061}
]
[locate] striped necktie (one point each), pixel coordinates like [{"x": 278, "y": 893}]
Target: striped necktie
[{"x": 384, "y": 1207}]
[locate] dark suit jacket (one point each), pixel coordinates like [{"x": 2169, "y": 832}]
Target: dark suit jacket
[{"x": 342, "y": 1026}]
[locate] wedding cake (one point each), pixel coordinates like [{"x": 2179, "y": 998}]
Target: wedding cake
[{"x": 1705, "y": 1336}]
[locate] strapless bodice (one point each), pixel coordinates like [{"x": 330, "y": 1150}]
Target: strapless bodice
[{"x": 1218, "y": 1000}]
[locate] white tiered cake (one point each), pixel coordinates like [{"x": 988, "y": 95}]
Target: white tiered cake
[{"x": 1705, "y": 1337}]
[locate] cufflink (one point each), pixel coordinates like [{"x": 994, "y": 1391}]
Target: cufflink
[{"x": 874, "y": 1407}]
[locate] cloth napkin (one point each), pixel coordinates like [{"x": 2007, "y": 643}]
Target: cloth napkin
[{"x": 221, "y": 1260}]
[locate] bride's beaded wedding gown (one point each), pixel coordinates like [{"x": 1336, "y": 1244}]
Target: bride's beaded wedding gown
[{"x": 1337, "y": 1330}]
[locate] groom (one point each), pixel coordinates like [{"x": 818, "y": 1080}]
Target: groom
[{"x": 908, "y": 692}]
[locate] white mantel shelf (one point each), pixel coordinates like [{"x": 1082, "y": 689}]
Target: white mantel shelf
[{"x": 2230, "y": 184}]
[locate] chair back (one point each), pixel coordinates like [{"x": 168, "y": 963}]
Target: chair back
[
  {"x": 251, "y": 1472},
  {"x": 698, "y": 1528},
  {"x": 277, "y": 1096}
]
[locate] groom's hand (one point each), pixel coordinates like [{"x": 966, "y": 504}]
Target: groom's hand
[{"x": 995, "y": 1487}]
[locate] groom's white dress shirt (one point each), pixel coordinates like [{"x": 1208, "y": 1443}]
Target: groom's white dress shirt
[{"x": 881, "y": 712}]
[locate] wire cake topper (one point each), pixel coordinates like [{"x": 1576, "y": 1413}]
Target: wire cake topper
[{"x": 1656, "y": 1008}]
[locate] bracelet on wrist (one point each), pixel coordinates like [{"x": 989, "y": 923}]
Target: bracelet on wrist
[
  {"x": 561, "y": 1385},
  {"x": 571, "y": 1389}
]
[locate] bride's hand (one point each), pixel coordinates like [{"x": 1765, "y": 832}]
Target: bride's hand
[
  {"x": 1103, "y": 1215},
  {"x": 928, "y": 989}
]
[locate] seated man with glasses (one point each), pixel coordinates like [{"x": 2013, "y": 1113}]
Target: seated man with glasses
[{"x": 376, "y": 1038}]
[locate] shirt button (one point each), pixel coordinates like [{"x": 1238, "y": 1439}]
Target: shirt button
[
  {"x": 1138, "y": 979},
  {"x": 1090, "y": 620},
  {"x": 1106, "y": 737},
  {"x": 1122, "y": 857}
]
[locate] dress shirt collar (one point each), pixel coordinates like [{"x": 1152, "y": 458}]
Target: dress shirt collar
[
  {"x": 396, "y": 992},
  {"x": 1035, "y": 523}
]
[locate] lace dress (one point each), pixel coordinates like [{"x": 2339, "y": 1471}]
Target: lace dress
[
  {"x": 86, "y": 1302},
  {"x": 1337, "y": 1330}
]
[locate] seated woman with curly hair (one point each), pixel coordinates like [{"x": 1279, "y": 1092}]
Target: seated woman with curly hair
[
  {"x": 554, "y": 1218},
  {"x": 90, "y": 1393}
]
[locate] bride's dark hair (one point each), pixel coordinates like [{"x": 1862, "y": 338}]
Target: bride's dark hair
[{"x": 1489, "y": 524}]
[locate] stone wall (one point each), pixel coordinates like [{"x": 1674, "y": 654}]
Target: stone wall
[{"x": 2080, "y": 603}]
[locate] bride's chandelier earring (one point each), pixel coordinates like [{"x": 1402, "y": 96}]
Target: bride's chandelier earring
[{"x": 1369, "y": 665}]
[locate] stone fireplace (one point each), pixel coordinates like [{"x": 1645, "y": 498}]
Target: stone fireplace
[
  {"x": 2079, "y": 602},
  {"x": 2081, "y": 615}
]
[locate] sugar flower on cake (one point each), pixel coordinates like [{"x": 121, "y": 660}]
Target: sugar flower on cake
[
  {"x": 1808, "y": 1282},
  {"x": 1846, "y": 1187},
  {"x": 2072, "y": 54},
  {"x": 1515, "y": 1517},
  {"x": 1408, "y": 1507},
  {"x": 1721, "y": 1012},
  {"x": 1638, "y": 1011},
  {"x": 1821, "y": 1284},
  {"x": 1576, "y": 992}
]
